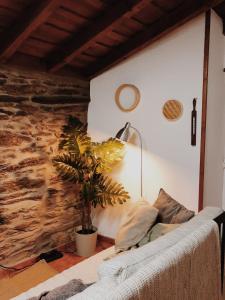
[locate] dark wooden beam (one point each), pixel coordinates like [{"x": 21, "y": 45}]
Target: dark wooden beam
[
  {"x": 167, "y": 23},
  {"x": 30, "y": 63},
  {"x": 220, "y": 10},
  {"x": 204, "y": 110},
  {"x": 159, "y": 6},
  {"x": 82, "y": 39},
  {"x": 33, "y": 17},
  {"x": 224, "y": 26}
]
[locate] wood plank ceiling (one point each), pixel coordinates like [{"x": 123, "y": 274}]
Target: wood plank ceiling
[
  {"x": 220, "y": 10},
  {"x": 86, "y": 36}
]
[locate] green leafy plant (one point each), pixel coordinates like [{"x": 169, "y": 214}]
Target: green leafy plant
[{"x": 86, "y": 163}]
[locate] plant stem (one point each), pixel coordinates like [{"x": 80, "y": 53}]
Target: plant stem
[
  {"x": 83, "y": 219},
  {"x": 89, "y": 216}
]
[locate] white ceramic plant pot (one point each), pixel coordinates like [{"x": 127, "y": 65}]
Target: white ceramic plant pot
[{"x": 86, "y": 243}]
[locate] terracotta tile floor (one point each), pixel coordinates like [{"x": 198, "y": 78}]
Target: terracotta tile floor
[
  {"x": 68, "y": 260},
  {"x": 9, "y": 273}
]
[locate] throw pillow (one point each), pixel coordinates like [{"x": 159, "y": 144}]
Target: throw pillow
[
  {"x": 161, "y": 229},
  {"x": 138, "y": 220},
  {"x": 171, "y": 211},
  {"x": 157, "y": 231}
]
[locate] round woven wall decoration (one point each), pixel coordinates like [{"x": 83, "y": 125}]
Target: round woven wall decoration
[
  {"x": 172, "y": 110},
  {"x": 127, "y": 97}
]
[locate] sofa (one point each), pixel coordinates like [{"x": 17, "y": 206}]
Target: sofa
[{"x": 183, "y": 264}]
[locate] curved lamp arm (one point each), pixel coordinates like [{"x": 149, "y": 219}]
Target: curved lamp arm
[
  {"x": 140, "y": 139},
  {"x": 123, "y": 134}
]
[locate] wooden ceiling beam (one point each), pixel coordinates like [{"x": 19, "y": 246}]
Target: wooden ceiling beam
[
  {"x": 220, "y": 10},
  {"x": 160, "y": 7},
  {"x": 82, "y": 39},
  {"x": 29, "y": 21},
  {"x": 29, "y": 63},
  {"x": 167, "y": 23}
]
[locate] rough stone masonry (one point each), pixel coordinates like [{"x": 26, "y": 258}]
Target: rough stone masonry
[{"x": 36, "y": 207}]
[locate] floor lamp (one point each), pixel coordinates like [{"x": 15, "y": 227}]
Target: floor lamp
[{"x": 123, "y": 134}]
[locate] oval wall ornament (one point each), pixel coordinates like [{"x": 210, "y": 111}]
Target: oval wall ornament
[
  {"x": 127, "y": 97},
  {"x": 172, "y": 110}
]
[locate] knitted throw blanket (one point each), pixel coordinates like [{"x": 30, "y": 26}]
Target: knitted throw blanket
[
  {"x": 63, "y": 292},
  {"x": 190, "y": 270}
]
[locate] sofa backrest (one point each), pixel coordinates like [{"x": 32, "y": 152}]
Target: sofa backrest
[
  {"x": 123, "y": 266},
  {"x": 195, "y": 256},
  {"x": 190, "y": 269}
]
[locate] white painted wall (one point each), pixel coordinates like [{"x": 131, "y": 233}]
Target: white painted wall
[
  {"x": 224, "y": 53},
  {"x": 171, "y": 68},
  {"x": 213, "y": 183}
]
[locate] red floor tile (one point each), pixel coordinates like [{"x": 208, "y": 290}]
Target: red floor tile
[{"x": 68, "y": 260}]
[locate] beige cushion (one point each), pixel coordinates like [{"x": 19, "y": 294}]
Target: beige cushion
[
  {"x": 161, "y": 229},
  {"x": 138, "y": 220},
  {"x": 171, "y": 211},
  {"x": 157, "y": 231}
]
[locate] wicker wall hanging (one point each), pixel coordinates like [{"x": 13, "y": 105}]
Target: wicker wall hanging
[{"x": 172, "y": 110}]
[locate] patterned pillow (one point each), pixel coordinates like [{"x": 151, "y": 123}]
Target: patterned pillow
[{"x": 171, "y": 211}]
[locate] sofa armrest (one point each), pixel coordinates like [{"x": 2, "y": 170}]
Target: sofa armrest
[{"x": 220, "y": 220}]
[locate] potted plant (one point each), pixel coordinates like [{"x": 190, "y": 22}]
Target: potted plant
[{"x": 86, "y": 163}]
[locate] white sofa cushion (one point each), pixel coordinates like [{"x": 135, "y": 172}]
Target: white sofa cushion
[
  {"x": 97, "y": 291},
  {"x": 123, "y": 266}
]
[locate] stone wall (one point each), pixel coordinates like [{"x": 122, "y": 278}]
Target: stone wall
[{"x": 36, "y": 207}]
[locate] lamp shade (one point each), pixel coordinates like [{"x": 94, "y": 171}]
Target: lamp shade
[{"x": 123, "y": 133}]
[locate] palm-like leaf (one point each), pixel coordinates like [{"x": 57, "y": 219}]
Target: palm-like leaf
[
  {"x": 109, "y": 192},
  {"x": 111, "y": 152},
  {"x": 73, "y": 127},
  {"x": 76, "y": 143},
  {"x": 69, "y": 166},
  {"x": 74, "y": 124}
]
